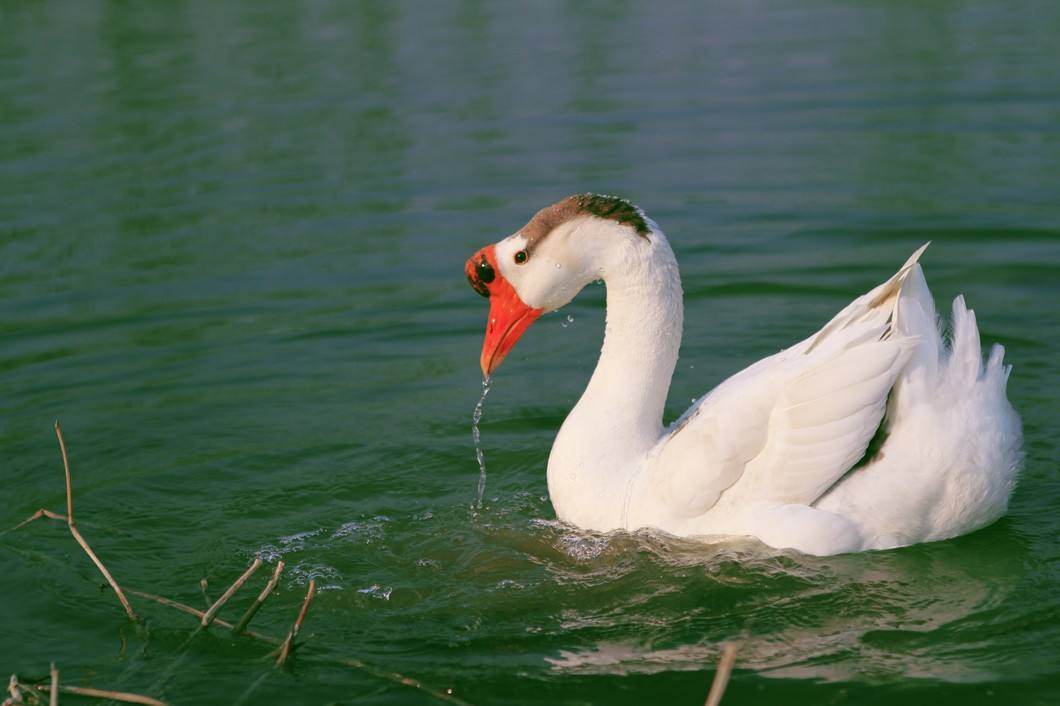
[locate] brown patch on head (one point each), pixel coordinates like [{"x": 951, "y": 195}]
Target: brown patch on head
[{"x": 610, "y": 207}]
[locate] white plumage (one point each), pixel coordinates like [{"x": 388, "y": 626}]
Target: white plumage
[{"x": 772, "y": 451}]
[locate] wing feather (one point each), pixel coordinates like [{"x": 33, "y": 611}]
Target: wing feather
[
  {"x": 823, "y": 422},
  {"x": 790, "y": 426}
]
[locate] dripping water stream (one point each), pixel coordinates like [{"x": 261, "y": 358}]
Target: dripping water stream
[{"x": 476, "y": 417}]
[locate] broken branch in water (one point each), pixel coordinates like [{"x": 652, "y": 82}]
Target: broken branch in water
[
  {"x": 721, "y": 677},
  {"x": 66, "y": 468},
  {"x": 185, "y": 608},
  {"x": 208, "y": 617},
  {"x": 37, "y": 515},
  {"x": 260, "y": 600},
  {"x": 393, "y": 677},
  {"x": 123, "y": 696},
  {"x": 103, "y": 570},
  {"x": 77, "y": 534},
  {"x": 72, "y": 526},
  {"x": 288, "y": 644},
  {"x": 16, "y": 690}
]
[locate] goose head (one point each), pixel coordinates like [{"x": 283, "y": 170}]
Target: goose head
[{"x": 544, "y": 265}]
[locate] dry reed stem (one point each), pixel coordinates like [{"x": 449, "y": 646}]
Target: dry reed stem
[
  {"x": 72, "y": 526},
  {"x": 393, "y": 677},
  {"x": 288, "y": 644},
  {"x": 76, "y": 533},
  {"x": 185, "y": 608},
  {"x": 123, "y": 696},
  {"x": 53, "y": 699},
  {"x": 208, "y": 617},
  {"x": 260, "y": 600},
  {"x": 721, "y": 677},
  {"x": 103, "y": 570},
  {"x": 53, "y": 689},
  {"x": 37, "y": 515},
  {"x": 69, "y": 483}
]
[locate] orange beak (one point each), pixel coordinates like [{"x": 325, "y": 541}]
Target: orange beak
[{"x": 509, "y": 316}]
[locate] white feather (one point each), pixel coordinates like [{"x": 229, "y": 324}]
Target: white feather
[{"x": 771, "y": 451}]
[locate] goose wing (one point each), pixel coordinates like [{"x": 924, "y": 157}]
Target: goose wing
[{"x": 788, "y": 427}]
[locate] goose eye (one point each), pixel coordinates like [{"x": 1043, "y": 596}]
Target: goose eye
[
  {"x": 485, "y": 271},
  {"x": 520, "y": 257}
]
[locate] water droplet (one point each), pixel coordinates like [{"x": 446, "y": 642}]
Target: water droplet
[
  {"x": 693, "y": 400},
  {"x": 568, "y": 321},
  {"x": 476, "y": 417}
]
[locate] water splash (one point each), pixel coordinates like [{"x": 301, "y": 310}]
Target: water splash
[
  {"x": 476, "y": 417},
  {"x": 567, "y": 321},
  {"x": 376, "y": 591}
]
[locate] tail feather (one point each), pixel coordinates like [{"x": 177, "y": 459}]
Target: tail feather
[
  {"x": 952, "y": 452},
  {"x": 995, "y": 365},
  {"x": 966, "y": 356}
]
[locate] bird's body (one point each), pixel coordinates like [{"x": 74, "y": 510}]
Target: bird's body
[{"x": 777, "y": 451}]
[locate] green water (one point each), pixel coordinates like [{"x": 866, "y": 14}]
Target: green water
[{"x": 231, "y": 248}]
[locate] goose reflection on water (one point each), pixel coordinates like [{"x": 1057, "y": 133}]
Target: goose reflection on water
[{"x": 877, "y": 616}]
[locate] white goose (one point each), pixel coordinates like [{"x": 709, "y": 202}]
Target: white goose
[{"x": 773, "y": 451}]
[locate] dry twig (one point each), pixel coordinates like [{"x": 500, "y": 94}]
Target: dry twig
[
  {"x": 393, "y": 677},
  {"x": 69, "y": 483},
  {"x": 103, "y": 570},
  {"x": 72, "y": 526},
  {"x": 77, "y": 534},
  {"x": 721, "y": 677},
  {"x": 123, "y": 696},
  {"x": 260, "y": 600},
  {"x": 37, "y": 515},
  {"x": 288, "y": 644},
  {"x": 185, "y": 608},
  {"x": 54, "y": 694},
  {"x": 16, "y": 689},
  {"x": 208, "y": 617}
]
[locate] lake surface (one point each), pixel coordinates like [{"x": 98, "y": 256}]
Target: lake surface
[{"x": 231, "y": 249}]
